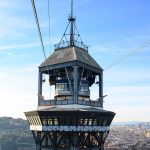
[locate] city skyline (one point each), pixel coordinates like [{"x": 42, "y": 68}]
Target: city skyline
[{"x": 110, "y": 29}]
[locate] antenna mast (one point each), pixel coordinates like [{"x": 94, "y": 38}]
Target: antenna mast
[
  {"x": 71, "y": 36},
  {"x": 72, "y": 8},
  {"x": 72, "y": 20}
]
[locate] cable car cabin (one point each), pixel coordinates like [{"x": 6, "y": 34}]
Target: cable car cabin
[{"x": 63, "y": 89}]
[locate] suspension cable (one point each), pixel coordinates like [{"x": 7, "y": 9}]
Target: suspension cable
[
  {"x": 49, "y": 22},
  {"x": 128, "y": 54},
  {"x": 39, "y": 31}
]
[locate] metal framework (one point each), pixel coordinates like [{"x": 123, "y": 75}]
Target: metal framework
[
  {"x": 69, "y": 129},
  {"x": 71, "y": 120},
  {"x": 70, "y": 141},
  {"x": 71, "y": 36}
]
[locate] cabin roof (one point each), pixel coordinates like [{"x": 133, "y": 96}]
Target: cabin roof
[{"x": 70, "y": 54}]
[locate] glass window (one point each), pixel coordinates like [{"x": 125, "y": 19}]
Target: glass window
[
  {"x": 95, "y": 122},
  {"x": 85, "y": 122},
  {"x": 44, "y": 121},
  {"x": 49, "y": 121},
  {"x": 90, "y": 122},
  {"x": 81, "y": 121},
  {"x": 105, "y": 122},
  {"x": 62, "y": 86},
  {"x": 55, "y": 122},
  {"x": 84, "y": 87}
]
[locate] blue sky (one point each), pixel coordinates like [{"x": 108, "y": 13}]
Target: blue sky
[{"x": 111, "y": 29}]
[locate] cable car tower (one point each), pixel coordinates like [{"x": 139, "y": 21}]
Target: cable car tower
[{"x": 70, "y": 120}]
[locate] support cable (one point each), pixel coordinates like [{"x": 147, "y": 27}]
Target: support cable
[
  {"x": 130, "y": 53},
  {"x": 39, "y": 31},
  {"x": 49, "y": 22},
  {"x": 40, "y": 34},
  {"x": 49, "y": 25}
]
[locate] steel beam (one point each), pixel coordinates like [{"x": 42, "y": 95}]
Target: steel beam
[
  {"x": 69, "y": 141},
  {"x": 101, "y": 89},
  {"x": 75, "y": 93},
  {"x": 39, "y": 87}
]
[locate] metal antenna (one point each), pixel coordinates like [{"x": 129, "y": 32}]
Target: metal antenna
[
  {"x": 71, "y": 8},
  {"x": 71, "y": 36},
  {"x": 72, "y": 19}
]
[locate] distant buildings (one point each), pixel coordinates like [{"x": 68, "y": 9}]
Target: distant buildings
[{"x": 129, "y": 137}]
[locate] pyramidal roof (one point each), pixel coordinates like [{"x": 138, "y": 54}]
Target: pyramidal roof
[
  {"x": 71, "y": 50},
  {"x": 70, "y": 54}
]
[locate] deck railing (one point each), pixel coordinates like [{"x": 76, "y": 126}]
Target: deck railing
[
  {"x": 70, "y": 101},
  {"x": 67, "y": 44}
]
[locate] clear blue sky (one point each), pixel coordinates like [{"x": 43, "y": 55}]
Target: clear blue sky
[{"x": 111, "y": 28}]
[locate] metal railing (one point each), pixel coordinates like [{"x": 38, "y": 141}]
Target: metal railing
[
  {"x": 65, "y": 44},
  {"x": 70, "y": 101}
]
